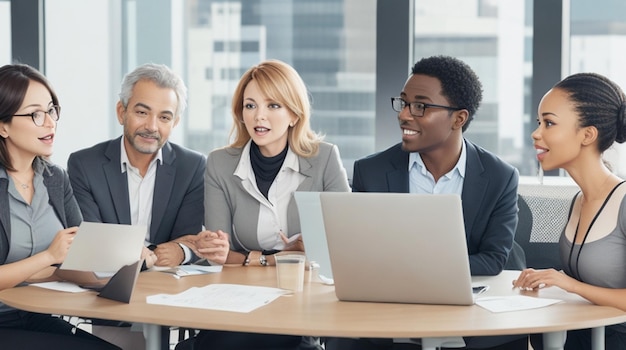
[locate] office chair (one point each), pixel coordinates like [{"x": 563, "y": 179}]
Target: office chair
[{"x": 543, "y": 214}]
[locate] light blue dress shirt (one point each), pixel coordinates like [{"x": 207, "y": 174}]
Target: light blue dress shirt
[{"x": 422, "y": 181}]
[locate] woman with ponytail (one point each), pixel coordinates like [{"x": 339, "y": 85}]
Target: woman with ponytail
[{"x": 579, "y": 118}]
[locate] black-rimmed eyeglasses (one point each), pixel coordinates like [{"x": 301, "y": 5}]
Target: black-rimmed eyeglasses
[
  {"x": 39, "y": 117},
  {"x": 417, "y": 109}
]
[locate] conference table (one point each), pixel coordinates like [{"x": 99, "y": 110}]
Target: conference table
[{"x": 317, "y": 312}]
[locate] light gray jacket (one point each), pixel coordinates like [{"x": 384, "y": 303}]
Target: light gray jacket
[{"x": 230, "y": 208}]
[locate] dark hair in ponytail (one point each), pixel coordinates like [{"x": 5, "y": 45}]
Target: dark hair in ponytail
[{"x": 600, "y": 103}]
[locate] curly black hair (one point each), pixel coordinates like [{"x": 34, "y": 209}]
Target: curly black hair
[
  {"x": 459, "y": 83},
  {"x": 599, "y": 102}
]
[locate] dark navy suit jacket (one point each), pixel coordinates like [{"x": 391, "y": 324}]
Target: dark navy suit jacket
[
  {"x": 101, "y": 189},
  {"x": 489, "y": 199}
]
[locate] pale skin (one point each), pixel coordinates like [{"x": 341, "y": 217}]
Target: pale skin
[
  {"x": 562, "y": 143},
  {"x": 25, "y": 141},
  {"x": 267, "y": 122},
  {"x": 213, "y": 246}
]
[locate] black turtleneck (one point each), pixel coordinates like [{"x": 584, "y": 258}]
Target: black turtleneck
[{"x": 265, "y": 168}]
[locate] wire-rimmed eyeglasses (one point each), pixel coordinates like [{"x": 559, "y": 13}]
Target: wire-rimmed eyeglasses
[
  {"x": 39, "y": 117},
  {"x": 417, "y": 109}
]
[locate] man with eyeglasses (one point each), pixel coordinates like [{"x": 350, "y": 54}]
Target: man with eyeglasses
[
  {"x": 142, "y": 178},
  {"x": 434, "y": 108}
]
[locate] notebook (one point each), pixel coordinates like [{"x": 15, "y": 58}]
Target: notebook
[
  {"x": 397, "y": 247},
  {"x": 313, "y": 233}
]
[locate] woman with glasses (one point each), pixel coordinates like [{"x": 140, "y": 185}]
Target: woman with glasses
[
  {"x": 579, "y": 119},
  {"x": 38, "y": 212},
  {"x": 249, "y": 185}
]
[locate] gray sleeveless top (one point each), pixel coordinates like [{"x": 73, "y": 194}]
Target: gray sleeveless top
[{"x": 602, "y": 261}]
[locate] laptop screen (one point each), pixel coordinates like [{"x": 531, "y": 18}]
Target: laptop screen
[{"x": 397, "y": 247}]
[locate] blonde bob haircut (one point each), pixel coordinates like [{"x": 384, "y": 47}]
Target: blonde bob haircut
[{"x": 282, "y": 84}]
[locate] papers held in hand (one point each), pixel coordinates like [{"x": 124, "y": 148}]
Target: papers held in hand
[{"x": 99, "y": 251}]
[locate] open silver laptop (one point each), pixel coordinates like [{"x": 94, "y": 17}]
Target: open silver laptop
[{"x": 397, "y": 247}]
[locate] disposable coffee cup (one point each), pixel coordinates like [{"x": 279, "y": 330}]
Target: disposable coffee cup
[{"x": 290, "y": 272}]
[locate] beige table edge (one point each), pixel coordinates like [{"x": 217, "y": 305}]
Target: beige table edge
[{"x": 316, "y": 311}]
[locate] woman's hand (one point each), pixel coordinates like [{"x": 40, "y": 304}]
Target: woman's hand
[
  {"x": 531, "y": 279},
  {"x": 61, "y": 243},
  {"x": 293, "y": 245},
  {"x": 213, "y": 246},
  {"x": 149, "y": 257}
]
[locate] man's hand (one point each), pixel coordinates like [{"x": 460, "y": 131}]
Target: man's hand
[{"x": 169, "y": 254}]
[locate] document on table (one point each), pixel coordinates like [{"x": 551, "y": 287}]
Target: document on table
[
  {"x": 222, "y": 297},
  {"x": 189, "y": 270},
  {"x": 60, "y": 286},
  {"x": 514, "y": 303}
]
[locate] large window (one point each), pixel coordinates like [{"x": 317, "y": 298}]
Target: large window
[
  {"x": 598, "y": 44},
  {"x": 331, "y": 43},
  {"x": 348, "y": 58},
  {"x": 491, "y": 36}
]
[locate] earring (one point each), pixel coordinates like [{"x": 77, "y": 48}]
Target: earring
[{"x": 291, "y": 124}]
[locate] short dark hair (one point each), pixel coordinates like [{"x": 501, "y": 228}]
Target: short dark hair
[
  {"x": 599, "y": 103},
  {"x": 14, "y": 82},
  {"x": 459, "y": 83}
]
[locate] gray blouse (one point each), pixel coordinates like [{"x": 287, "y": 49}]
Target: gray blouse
[{"x": 33, "y": 226}]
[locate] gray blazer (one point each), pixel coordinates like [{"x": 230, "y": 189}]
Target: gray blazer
[
  {"x": 61, "y": 198},
  {"x": 230, "y": 208},
  {"x": 101, "y": 189}
]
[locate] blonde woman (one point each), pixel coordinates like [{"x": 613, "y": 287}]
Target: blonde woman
[{"x": 249, "y": 184}]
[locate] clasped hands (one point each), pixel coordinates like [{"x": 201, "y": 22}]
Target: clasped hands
[{"x": 211, "y": 245}]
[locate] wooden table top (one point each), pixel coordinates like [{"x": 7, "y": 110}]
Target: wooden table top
[{"x": 317, "y": 312}]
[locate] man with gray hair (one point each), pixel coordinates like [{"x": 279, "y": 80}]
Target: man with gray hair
[{"x": 141, "y": 178}]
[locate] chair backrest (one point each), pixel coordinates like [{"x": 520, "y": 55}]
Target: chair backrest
[{"x": 543, "y": 213}]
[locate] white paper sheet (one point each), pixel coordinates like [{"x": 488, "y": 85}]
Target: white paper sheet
[
  {"x": 222, "y": 297},
  {"x": 60, "y": 286},
  {"x": 104, "y": 247},
  {"x": 188, "y": 270},
  {"x": 514, "y": 303}
]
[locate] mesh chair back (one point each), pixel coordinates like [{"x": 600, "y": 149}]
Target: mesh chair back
[{"x": 543, "y": 213}]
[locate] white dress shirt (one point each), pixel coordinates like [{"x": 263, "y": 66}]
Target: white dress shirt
[{"x": 273, "y": 210}]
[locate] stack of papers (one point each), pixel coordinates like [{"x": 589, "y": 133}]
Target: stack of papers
[{"x": 222, "y": 297}]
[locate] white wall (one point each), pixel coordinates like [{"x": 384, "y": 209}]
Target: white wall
[
  {"x": 5, "y": 33},
  {"x": 82, "y": 63}
]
